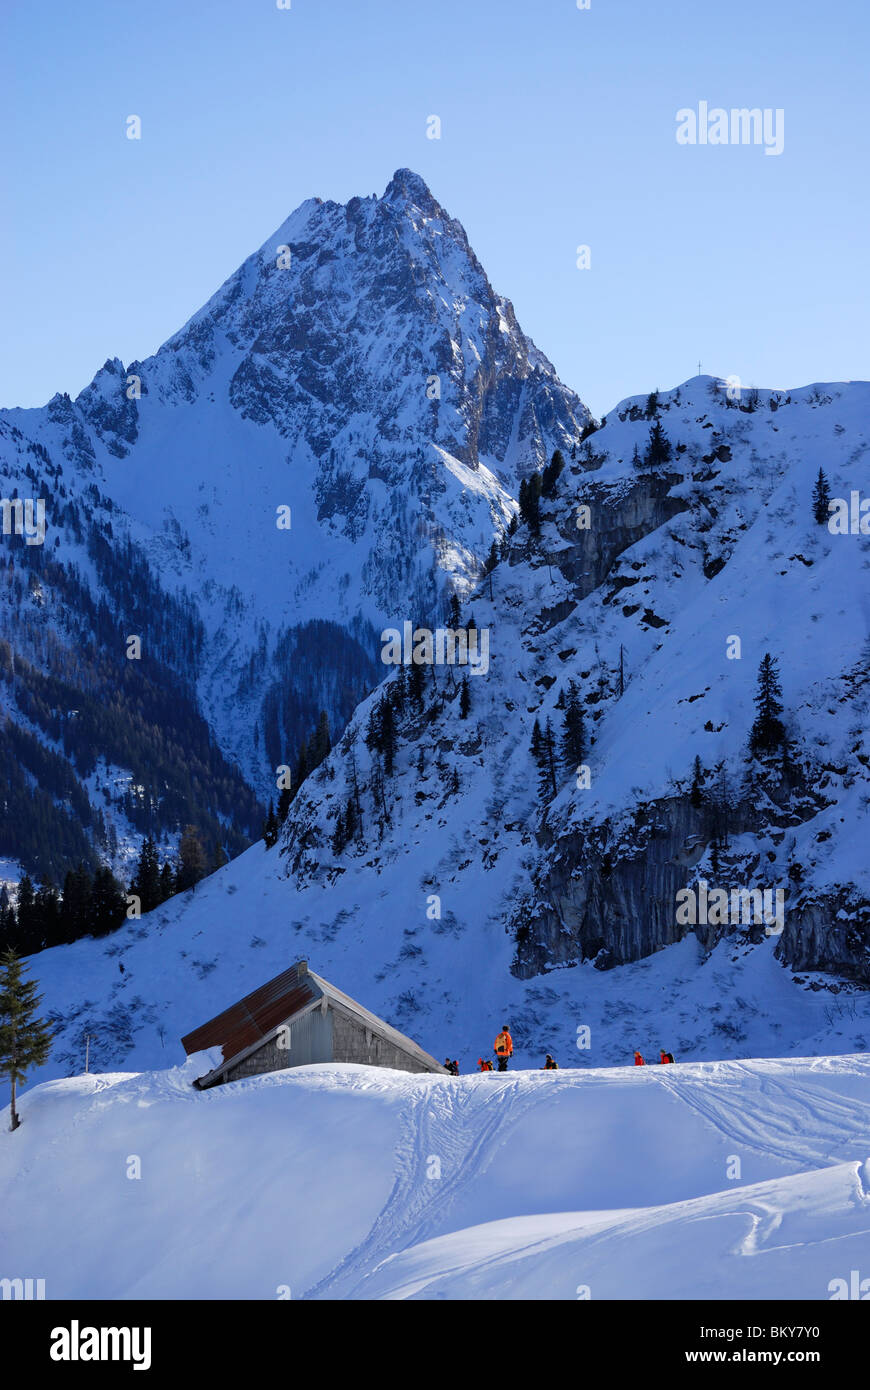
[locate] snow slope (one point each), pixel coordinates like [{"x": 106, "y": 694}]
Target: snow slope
[{"x": 350, "y": 1182}]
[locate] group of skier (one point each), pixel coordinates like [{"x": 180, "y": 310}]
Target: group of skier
[{"x": 503, "y": 1047}]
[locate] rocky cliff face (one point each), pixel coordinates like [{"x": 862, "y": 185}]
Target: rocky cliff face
[
  {"x": 656, "y": 591},
  {"x": 610, "y": 897}
]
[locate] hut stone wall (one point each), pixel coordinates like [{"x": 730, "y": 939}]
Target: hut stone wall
[{"x": 353, "y": 1042}]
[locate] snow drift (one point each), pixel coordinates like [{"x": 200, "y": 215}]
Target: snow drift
[{"x": 715, "y": 1180}]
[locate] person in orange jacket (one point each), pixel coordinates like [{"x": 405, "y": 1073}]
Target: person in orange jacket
[
  {"x": 638, "y": 1059},
  {"x": 503, "y": 1048},
  {"x": 483, "y": 1066}
]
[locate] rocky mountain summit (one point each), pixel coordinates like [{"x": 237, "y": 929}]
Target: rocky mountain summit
[{"x": 332, "y": 443}]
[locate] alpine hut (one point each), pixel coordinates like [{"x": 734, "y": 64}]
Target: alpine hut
[{"x": 296, "y": 1019}]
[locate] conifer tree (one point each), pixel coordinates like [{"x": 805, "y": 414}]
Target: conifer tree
[
  {"x": 338, "y": 835},
  {"x": 353, "y": 817},
  {"x": 28, "y": 926},
  {"x": 8, "y": 920},
  {"x": 537, "y": 742},
  {"x": 399, "y": 690},
  {"x": 658, "y": 450},
  {"x": 530, "y": 502},
  {"x": 387, "y": 735},
  {"x": 270, "y": 829},
  {"x": 464, "y": 699},
  {"x": 722, "y": 802},
  {"x": 167, "y": 881},
  {"x": 490, "y": 564},
  {"x": 219, "y": 857},
  {"x": 696, "y": 796},
  {"x": 320, "y": 743},
  {"x": 547, "y": 783},
  {"x": 373, "y": 730},
  {"x": 76, "y": 914},
  {"x": 716, "y": 853},
  {"x": 416, "y": 677},
  {"x": 191, "y": 857},
  {"x": 768, "y": 730},
  {"x": 108, "y": 904},
  {"x": 25, "y": 1040},
  {"x": 146, "y": 884},
  {"x": 551, "y": 473},
  {"x": 455, "y": 616},
  {"x": 821, "y": 498},
  {"x": 47, "y": 911},
  {"x": 572, "y": 729},
  {"x": 351, "y": 821},
  {"x": 285, "y": 796}
]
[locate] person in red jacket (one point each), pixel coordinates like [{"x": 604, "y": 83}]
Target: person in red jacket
[
  {"x": 638, "y": 1060},
  {"x": 665, "y": 1056},
  {"x": 503, "y": 1048}
]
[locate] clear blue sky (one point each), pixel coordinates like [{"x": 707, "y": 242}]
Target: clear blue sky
[{"x": 558, "y": 128}]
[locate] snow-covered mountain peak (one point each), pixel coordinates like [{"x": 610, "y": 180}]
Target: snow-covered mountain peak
[
  {"x": 408, "y": 188},
  {"x": 338, "y": 434}
]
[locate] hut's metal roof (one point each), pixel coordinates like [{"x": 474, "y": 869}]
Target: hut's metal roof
[
  {"x": 243, "y": 1026},
  {"x": 257, "y": 1015}
]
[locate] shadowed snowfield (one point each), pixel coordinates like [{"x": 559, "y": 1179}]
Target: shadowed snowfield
[{"x": 701, "y": 1180}]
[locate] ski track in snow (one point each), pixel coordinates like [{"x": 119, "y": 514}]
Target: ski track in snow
[
  {"x": 781, "y": 1118},
  {"x": 445, "y": 1122},
  {"x": 796, "y": 1124}
]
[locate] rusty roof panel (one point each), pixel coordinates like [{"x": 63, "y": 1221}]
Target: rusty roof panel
[{"x": 256, "y": 1015}]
